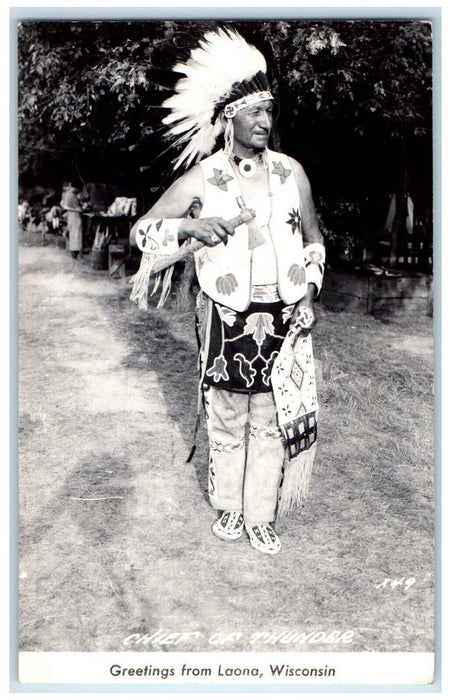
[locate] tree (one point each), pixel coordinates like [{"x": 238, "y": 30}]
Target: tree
[
  {"x": 83, "y": 92},
  {"x": 359, "y": 93},
  {"x": 354, "y": 100}
]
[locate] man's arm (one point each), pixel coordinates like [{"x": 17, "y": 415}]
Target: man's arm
[
  {"x": 313, "y": 240},
  {"x": 309, "y": 221},
  {"x": 173, "y": 206}
]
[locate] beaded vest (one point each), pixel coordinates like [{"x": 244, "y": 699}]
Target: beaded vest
[{"x": 224, "y": 271}]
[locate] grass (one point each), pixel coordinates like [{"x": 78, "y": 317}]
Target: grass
[{"x": 108, "y": 401}]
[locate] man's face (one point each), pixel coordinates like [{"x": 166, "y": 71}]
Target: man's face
[{"x": 252, "y": 125}]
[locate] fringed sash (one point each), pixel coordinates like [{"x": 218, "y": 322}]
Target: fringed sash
[{"x": 294, "y": 387}]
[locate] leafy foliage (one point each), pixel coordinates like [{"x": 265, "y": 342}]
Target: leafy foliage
[
  {"x": 82, "y": 87},
  {"x": 363, "y": 69},
  {"x": 354, "y": 98}
]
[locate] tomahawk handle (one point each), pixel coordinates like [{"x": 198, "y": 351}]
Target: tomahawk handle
[{"x": 164, "y": 261}]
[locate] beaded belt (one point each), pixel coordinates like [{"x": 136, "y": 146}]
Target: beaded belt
[{"x": 265, "y": 293}]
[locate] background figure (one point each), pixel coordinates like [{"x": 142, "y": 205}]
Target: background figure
[
  {"x": 71, "y": 204},
  {"x": 24, "y": 213}
]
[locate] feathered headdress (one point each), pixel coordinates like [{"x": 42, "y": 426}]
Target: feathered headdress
[
  {"x": 224, "y": 71},
  {"x": 223, "y": 74}
]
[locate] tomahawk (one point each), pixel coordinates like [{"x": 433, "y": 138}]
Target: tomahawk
[{"x": 152, "y": 264}]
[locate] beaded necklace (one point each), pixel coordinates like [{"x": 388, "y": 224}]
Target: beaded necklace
[{"x": 248, "y": 166}]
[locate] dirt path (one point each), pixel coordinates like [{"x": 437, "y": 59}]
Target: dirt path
[
  {"x": 98, "y": 508},
  {"x": 115, "y": 528}
]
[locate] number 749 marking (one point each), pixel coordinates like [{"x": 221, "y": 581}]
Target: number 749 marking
[{"x": 396, "y": 582}]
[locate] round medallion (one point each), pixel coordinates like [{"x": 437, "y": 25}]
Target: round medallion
[
  {"x": 230, "y": 111},
  {"x": 304, "y": 318},
  {"x": 247, "y": 167}
]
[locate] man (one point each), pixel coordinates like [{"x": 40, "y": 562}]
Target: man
[
  {"x": 256, "y": 282},
  {"x": 71, "y": 205}
]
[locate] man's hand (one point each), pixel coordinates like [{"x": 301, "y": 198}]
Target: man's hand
[
  {"x": 211, "y": 230},
  {"x": 304, "y": 310}
]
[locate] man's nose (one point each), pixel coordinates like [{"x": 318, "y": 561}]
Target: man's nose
[{"x": 265, "y": 120}]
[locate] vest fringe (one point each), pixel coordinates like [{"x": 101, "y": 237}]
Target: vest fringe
[
  {"x": 296, "y": 480},
  {"x": 166, "y": 287},
  {"x": 156, "y": 284},
  {"x": 141, "y": 281},
  {"x": 140, "y": 290}
]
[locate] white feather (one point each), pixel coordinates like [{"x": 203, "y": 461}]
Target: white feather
[{"x": 222, "y": 59}]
